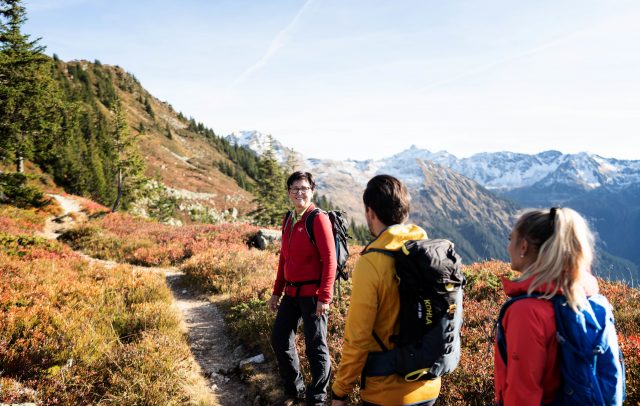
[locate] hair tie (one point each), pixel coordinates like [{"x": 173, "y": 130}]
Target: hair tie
[{"x": 552, "y": 217}]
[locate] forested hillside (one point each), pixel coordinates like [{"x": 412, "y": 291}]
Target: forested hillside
[
  {"x": 100, "y": 134},
  {"x": 103, "y": 120}
]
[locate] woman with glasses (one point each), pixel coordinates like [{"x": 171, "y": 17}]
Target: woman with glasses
[{"x": 305, "y": 275}]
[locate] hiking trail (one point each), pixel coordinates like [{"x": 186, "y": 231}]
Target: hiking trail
[{"x": 210, "y": 346}]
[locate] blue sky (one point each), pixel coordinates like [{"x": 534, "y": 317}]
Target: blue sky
[{"x": 366, "y": 79}]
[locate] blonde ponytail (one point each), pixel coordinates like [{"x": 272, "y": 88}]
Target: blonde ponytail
[{"x": 565, "y": 252}]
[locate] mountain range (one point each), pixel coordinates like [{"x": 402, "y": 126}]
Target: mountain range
[{"x": 474, "y": 201}]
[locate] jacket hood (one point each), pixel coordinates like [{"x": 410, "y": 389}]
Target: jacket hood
[
  {"x": 514, "y": 287},
  {"x": 393, "y": 237}
]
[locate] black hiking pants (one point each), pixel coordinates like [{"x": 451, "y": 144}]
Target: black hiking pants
[{"x": 291, "y": 312}]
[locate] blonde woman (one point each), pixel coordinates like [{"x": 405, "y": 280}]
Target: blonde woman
[{"x": 553, "y": 249}]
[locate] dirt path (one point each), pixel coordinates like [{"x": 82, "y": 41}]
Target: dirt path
[
  {"x": 211, "y": 348},
  {"x": 71, "y": 212}
]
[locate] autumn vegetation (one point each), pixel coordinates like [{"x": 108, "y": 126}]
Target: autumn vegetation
[
  {"x": 218, "y": 259},
  {"x": 73, "y": 332}
]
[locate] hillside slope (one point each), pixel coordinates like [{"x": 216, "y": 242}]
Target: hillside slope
[
  {"x": 180, "y": 153},
  {"x": 452, "y": 206}
]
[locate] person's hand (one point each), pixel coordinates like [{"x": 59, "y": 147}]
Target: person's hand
[
  {"x": 273, "y": 302},
  {"x": 321, "y": 308},
  {"x": 338, "y": 403}
]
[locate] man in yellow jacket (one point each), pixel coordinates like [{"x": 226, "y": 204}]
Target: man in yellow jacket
[{"x": 375, "y": 303}]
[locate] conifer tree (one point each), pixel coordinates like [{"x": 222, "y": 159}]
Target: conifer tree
[
  {"x": 30, "y": 105},
  {"x": 271, "y": 190},
  {"x": 148, "y": 108},
  {"x": 360, "y": 233},
  {"x": 161, "y": 204},
  {"x": 292, "y": 164},
  {"x": 129, "y": 165}
]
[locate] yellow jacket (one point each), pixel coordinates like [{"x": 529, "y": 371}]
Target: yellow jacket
[{"x": 374, "y": 306}]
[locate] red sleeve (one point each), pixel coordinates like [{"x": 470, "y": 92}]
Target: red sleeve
[
  {"x": 323, "y": 234},
  {"x": 278, "y": 285},
  {"x": 526, "y": 354}
]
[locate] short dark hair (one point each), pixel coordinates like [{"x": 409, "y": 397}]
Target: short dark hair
[
  {"x": 388, "y": 198},
  {"x": 299, "y": 175}
]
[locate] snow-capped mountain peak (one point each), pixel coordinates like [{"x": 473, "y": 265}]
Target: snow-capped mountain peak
[
  {"x": 259, "y": 143},
  {"x": 501, "y": 171},
  {"x": 254, "y": 140}
]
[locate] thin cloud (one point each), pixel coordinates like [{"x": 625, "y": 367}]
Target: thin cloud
[
  {"x": 486, "y": 67},
  {"x": 276, "y": 43}
]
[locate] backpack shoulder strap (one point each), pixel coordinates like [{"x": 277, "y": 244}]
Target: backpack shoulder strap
[
  {"x": 379, "y": 341},
  {"x": 501, "y": 339},
  {"x": 388, "y": 253},
  {"x": 287, "y": 217},
  {"x": 380, "y": 250},
  {"x": 308, "y": 224},
  {"x": 568, "y": 338}
]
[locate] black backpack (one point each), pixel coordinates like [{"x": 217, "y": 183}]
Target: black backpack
[
  {"x": 431, "y": 289},
  {"x": 340, "y": 229}
]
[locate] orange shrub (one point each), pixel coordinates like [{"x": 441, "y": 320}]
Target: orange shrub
[
  {"x": 631, "y": 349},
  {"x": 139, "y": 241},
  {"x": 17, "y": 221},
  {"x": 234, "y": 268},
  {"x": 31, "y": 247},
  {"x": 626, "y": 310},
  {"x": 89, "y": 206}
]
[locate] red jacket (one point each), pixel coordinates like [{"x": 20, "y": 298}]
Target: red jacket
[
  {"x": 301, "y": 260},
  {"x": 533, "y": 376}
]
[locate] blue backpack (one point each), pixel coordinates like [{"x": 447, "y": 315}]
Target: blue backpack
[{"x": 590, "y": 359}]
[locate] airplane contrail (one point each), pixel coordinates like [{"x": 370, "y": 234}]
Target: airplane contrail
[{"x": 276, "y": 43}]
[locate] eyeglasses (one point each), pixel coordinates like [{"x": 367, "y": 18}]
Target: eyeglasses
[{"x": 296, "y": 190}]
